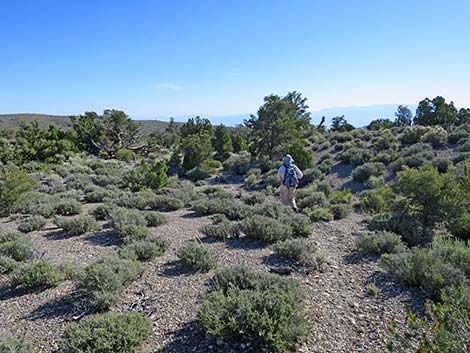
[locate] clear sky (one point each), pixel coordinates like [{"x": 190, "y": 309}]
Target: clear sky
[{"x": 182, "y": 57}]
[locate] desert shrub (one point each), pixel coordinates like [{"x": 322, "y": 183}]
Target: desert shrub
[
  {"x": 381, "y": 243},
  {"x": 355, "y": 156},
  {"x": 442, "y": 264},
  {"x": 222, "y": 230},
  {"x": 252, "y": 178},
  {"x": 15, "y": 246},
  {"x": 310, "y": 175},
  {"x": 413, "y": 134},
  {"x": 343, "y": 137},
  {"x": 436, "y": 136},
  {"x": 464, "y": 145},
  {"x": 385, "y": 142},
  {"x": 197, "y": 257},
  {"x": 340, "y": 197},
  {"x": 460, "y": 132},
  {"x": 325, "y": 166},
  {"x": 37, "y": 274},
  {"x": 299, "y": 223},
  {"x": 77, "y": 181},
  {"x": 460, "y": 226},
  {"x": 14, "y": 184},
  {"x": 319, "y": 214},
  {"x": 303, "y": 157},
  {"x": 15, "y": 344},
  {"x": 121, "y": 217},
  {"x": 31, "y": 224},
  {"x": 216, "y": 192},
  {"x": 197, "y": 173},
  {"x": 103, "y": 279},
  {"x": 77, "y": 225},
  {"x": 386, "y": 157},
  {"x": 365, "y": 171},
  {"x": 407, "y": 226},
  {"x": 147, "y": 175},
  {"x": 125, "y": 155},
  {"x": 154, "y": 219},
  {"x": 161, "y": 202},
  {"x": 265, "y": 228},
  {"x": 376, "y": 200},
  {"x": 130, "y": 233},
  {"x": 446, "y": 331},
  {"x": 138, "y": 200},
  {"x": 264, "y": 310},
  {"x": 340, "y": 211},
  {"x": 253, "y": 198},
  {"x": 7, "y": 264},
  {"x": 442, "y": 164},
  {"x": 238, "y": 163},
  {"x": 102, "y": 212},
  {"x": 311, "y": 199},
  {"x": 107, "y": 333},
  {"x": 271, "y": 180},
  {"x": 145, "y": 250},
  {"x": 95, "y": 194},
  {"x": 67, "y": 207},
  {"x": 294, "y": 249},
  {"x": 51, "y": 184}
]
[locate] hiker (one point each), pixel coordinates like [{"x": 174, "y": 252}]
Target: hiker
[{"x": 289, "y": 174}]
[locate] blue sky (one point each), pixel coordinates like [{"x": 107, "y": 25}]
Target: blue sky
[{"x": 179, "y": 58}]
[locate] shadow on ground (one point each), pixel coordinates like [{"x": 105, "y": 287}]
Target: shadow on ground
[{"x": 69, "y": 307}]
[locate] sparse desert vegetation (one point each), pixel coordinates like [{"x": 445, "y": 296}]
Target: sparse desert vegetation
[{"x": 116, "y": 241}]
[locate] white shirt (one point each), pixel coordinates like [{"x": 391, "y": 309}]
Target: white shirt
[{"x": 282, "y": 171}]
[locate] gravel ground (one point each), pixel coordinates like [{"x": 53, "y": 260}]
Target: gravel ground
[{"x": 343, "y": 316}]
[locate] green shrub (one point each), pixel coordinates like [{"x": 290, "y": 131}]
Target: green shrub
[
  {"x": 7, "y": 264},
  {"x": 376, "y": 200},
  {"x": 340, "y": 211},
  {"x": 381, "y": 243},
  {"x": 147, "y": 175},
  {"x": 263, "y": 310},
  {"x": 340, "y": 197},
  {"x": 130, "y": 233},
  {"x": 37, "y": 274},
  {"x": 407, "y": 226},
  {"x": 125, "y": 155},
  {"x": 197, "y": 173},
  {"x": 15, "y": 183},
  {"x": 138, "y": 201},
  {"x": 223, "y": 230},
  {"x": 107, "y": 333},
  {"x": 68, "y": 207},
  {"x": 122, "y": 217},
  {"x": 32, "y": 224},
  {"x": 436, "y": 136},
  {"x": 311, "y": 199},
  {"x": 227, "y": 207},
  {"x": 299, "y": 223},
  {"x": 355, "y": 156},
  {"x": 442, "y": 164},
  {"x": 460, "y": 226},
  {"x": 144, "y": 250},
  {"x": 77, "y": 225},
  {"x": 367, "y": 170},
  {"x": 265, "y": 228},
  {"x": 15, "y": 344},
  {"x": 154, "y": 219},
  {"x": 293, "y": 249},
  {"x": 319, "y": 214},
  {"x": 197, "y": 257},
  {"x": 15, "y": 246},
  {"x": 161, "y": 202},
  {"x": 442, "y": 264},
  {"x": 103, "y": 279},
  {"x": 102, "y": 212},
  {"x": 95, "y": 194}
]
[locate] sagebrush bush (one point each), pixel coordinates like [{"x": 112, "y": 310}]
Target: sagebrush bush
[
  {"x": 197, "y": 257},
  {"x": 145, "y": 250},
  {"x": 102, "y": 212},
  {"x": 68, "y": 207},
  {"x": 130, "y": 233},
  {"x": 15, "y": 344},
  {"x": 154, "y": 219},
  {"x": 299, "y": 223},
  {"x": 77, "y": 225},
  {"x": 340, "y": 211},
  {"x": 122, "y": 217},
  {"x": 230, "y": 208},
  {"x": 294, "y": 249},
  {"x": 265, "y": 228},
  {"x": 197, "y": 174},
  {"x": 138, "y": 201},
  {"x": 7, "y": 264},
  {"x": 319, "y": 214},
  {"x": 37, "y": 274},
  {"x": 107, "y": 333},
  {"x": 436, "y": 136},
  {"x": 311, "y": 199},
  {"x": 442, "y": 264},
  {"x": 103, "y": 279},
  {"x": 381, "y": 243},
  {"x": 15, "y": 245},
  {"x": 367, "y": 170},
  {"x": 222, "y": 230},
  {"x": 264, "y": 310},
  {"x": 31, "y": 224},
  {"x": 161, "y": 202}
]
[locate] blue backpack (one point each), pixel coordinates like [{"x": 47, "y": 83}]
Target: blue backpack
[{"x": 290, "y": 176}]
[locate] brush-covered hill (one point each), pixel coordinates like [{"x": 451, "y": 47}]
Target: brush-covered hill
[{"x": 63, "y": 122}]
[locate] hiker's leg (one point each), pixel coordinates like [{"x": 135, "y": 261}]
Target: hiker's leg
[
  {"x": 292, "y": 202},
  {"x": 284, "y": 195}
]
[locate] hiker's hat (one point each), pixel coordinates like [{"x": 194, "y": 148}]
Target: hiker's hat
[{"x": 288, "y": 159}]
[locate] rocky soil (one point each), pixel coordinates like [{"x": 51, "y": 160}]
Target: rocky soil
[{"x": 344, "y": 317}]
